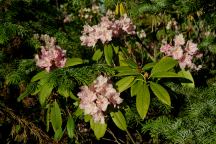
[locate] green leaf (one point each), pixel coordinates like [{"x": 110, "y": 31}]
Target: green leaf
[
  {"x": 29, "y": 89},
  {"x": 165, "y": 75},
  {"x": 55, "y": 117},
  {"x": 122, "y": 61},
  {"x": 143, "y": 100},
  {"x": 116, "y": 49},
  {"x": 165, "y": 64},
  {"x": 126, "y": 73},
  {"x": 136, "y": 87},
  {"x": 73, "y": 62},
  {"x": 187, "y": 75},
  {"x": 48, "y": 118},
  {"x": 58, "y": 134},
  {"x": 161, "y": 93},
  {"x": 149, "y": 66},
  {"x": 123, "y": 68},
  {"x": 108, "y": 52},
  {"x": 131, "y": 63},
  {"x": 66, "y": 93},
  {"x": 39, "y": 76},
  {"x": 119, "y": 120},
  {"x": 97, "y": 55},
  {"x": 45, "y": 92},
  {"x": 87, "y": 118},
  {"x": 124, "y": 83},
  {"x": 70, "y": 127},
  {"x": 98, "y": 128},
  {"x": 78, "y": 112}
]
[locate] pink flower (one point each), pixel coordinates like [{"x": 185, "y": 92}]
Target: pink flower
[
  {"x": 86, "y": 95},
  {"x": 127, "y": 25},
  {"x": 191, "y": 47},
  {"x": 102, "y": 102},
  {"x": 95, "y": 99},
  {"x": 51, "y": 55},
  {"x": 166, "y": 49},
  {"x": 179, "y": 40},
  {"x": 184, "y": 55},
  {"x": 106, "y": 29},
  {"x": 177, "y": 53},
  {"x": 99, "y": 117},
  {"x": 185, "y": 61}
]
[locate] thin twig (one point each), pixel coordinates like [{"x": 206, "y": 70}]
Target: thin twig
[
  {"x": 131, "y": 138},
  {"x": 116, "y": 140},
  {"x": 41, "y": 135}
]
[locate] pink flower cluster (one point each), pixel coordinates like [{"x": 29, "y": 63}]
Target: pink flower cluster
[
  {"x": 95, "y": 99},
  {"x": 51, "y": 55},
  {"x": 181, "y": 52},
  {"x": 106, "y": 29}
]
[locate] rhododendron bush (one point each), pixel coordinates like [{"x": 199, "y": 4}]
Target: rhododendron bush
[{"x": 98, "y": 71}]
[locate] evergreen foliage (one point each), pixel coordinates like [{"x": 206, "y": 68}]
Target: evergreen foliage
[{"x": 30, "y": 96}]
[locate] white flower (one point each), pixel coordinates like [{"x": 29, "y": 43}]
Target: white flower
[{"x": 179, "y": 40}]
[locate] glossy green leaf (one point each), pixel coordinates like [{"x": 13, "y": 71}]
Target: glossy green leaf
[
  {"x": 55, "y": 117},
  {"x": 87, "y": 118},
  {"x": 136, "y": 87},
  {"x": 70, "y": 126},
  {"x": 165, "y": 75},
  {"x": 127, "y": 73},
  {"x": 97, "y": 55},
  {"x": 116, "y": 49},
  {"x": 161, "y": 93},
  {"x": 119, "y": 120},
  {"x": 48, "y": 118},
  {"x": 123, "y": 68},
  {"x": 98, "y": 128},
  {"x": 108, "y": 52},
  {"x": 39, "y": 76},
  {"x": 187, "y": 75},
  {"x": 45, "y": 92},
  {"x": 143, "y": 100},
  {"x": 149, "y": 66},
  {"x": 58, "y": 134},
  {"x": 165, "y": 64},
  {"x": 78, "y": 112},
  {"x": 73, "y": 62},
  {"x": 66, "y": 93},
  {"x": 131, "y": 63},
  {"x": 124, "y": 83},
  {"x": 122, "y": 61}
]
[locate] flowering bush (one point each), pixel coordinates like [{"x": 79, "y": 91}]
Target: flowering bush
[{"x": 127, "y": 64}]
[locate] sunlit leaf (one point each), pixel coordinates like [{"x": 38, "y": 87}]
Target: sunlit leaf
[
  {"x": 161, "y": 93},
  {"x": 70, "y": 126},
  {"x": 108, "y": 52},
  {"x": 98, "y": 128},
  {"x": 165, "y": 64},
  {"x": 143, "y": 100},
  {"x": 119, "y": 119},
  {"x": 55, "y": 117},
  {"x": 124, "y": 83},
  {"x": 73, "y": 62},
  {"x": 187, "y": 75},
  {"x": 45, "y": 92},
  {"x": 97, "y": 55},
  {"x": 39, "y": 76}
]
